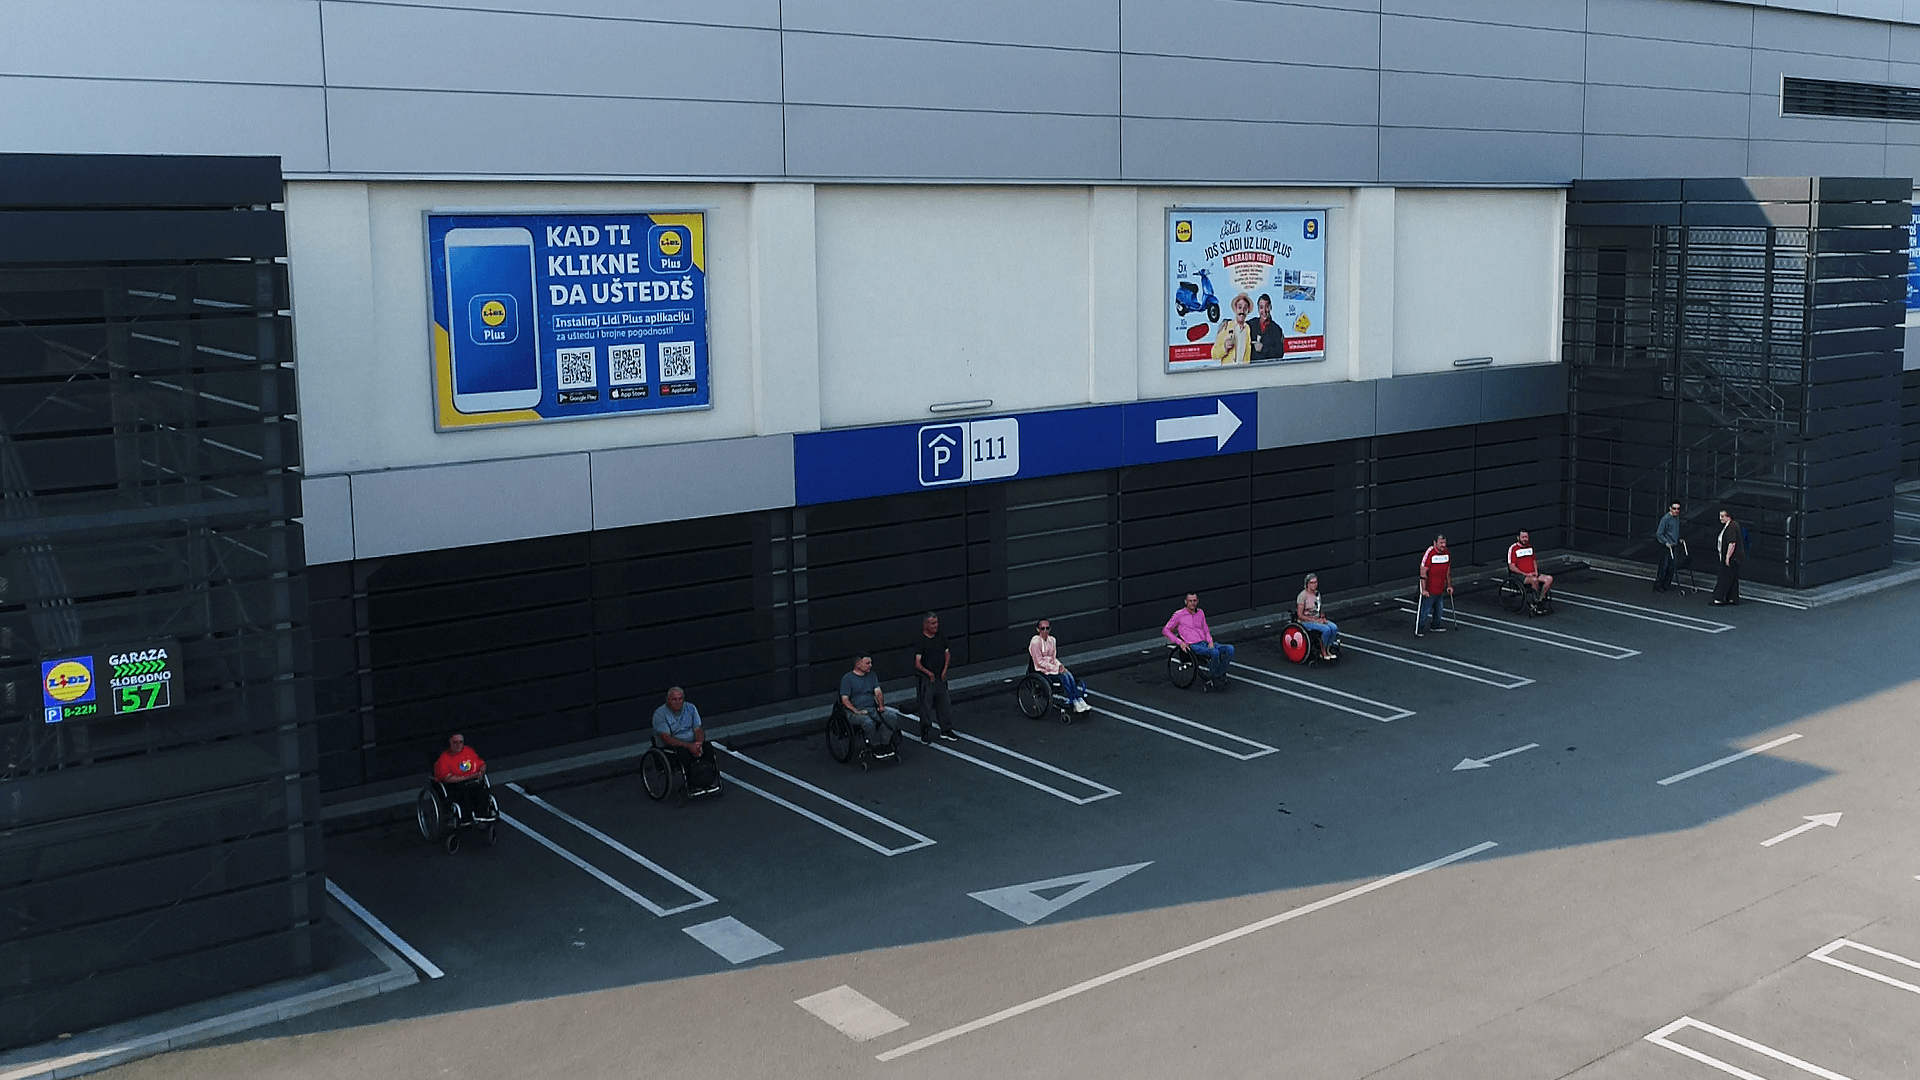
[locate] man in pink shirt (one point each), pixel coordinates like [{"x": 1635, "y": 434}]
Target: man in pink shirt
[{"x": 1188, "y": 629}]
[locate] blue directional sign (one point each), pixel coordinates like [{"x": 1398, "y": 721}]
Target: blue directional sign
[
  {"x": 860, "y": 463},
  {"x": 1913, "y": 261}
]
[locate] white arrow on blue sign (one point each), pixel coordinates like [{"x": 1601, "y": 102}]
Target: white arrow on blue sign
[{"x": 1218, "y": 425}]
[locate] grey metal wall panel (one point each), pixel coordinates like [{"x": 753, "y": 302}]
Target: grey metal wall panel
[
  {"x": 1795, "y": 31},
  {"x": 1903, "y": 160},
  {"x": 1230, "y": 30},
  {"x": 1317, "y": 412},
  {"x": 1765, "y": 120},
  {"x": 89, "y": 116},
  {"x": 230, "y": 41},
  {"x": 390, "y": 47},
  {"x": 1069, "y": 24},
  {"x": 1171, "y": 150},
  {"x": 835, "y": 141},
  {"x": 326, "y": 517},
  {"x": 1632, "y": 110},
  {"x": 1461, "y": 48},
  {"x": 646, "y": 484},
  {"x": 1642, "y": 155},
  {"x": 1190, "y": 88},
  {"x": 838, "y": 69},
  {"x": 1804, "y": 158},
  {"x": 1665, "y": 20},
  {"x": 1548, "y": 14},
  {"x": 762, "y": 13},
  {"x": 1679, "y": 65},
  {"x": 1418, "y": 155},
  {"x": 1410, "y": 99},
  {"x": 1903, "y": 44},
  {"x": 1425, "y": 402},
  {"x": 1512, "y": 393},
  {"x": 482, "y": 502},
  {"x": 418, "y": 131}
]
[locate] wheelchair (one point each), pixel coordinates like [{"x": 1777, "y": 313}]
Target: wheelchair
[
  {"x": 843, "y": 734},
  {"x": 1037, "y": 694},
  {"x": 1184, "y": 667},
  {"x": 1300, "y": 644},
  {"x": 663, "y": 767},
  {"x": 442, "y": 817},
  {"x": 1514, "y": 595}
]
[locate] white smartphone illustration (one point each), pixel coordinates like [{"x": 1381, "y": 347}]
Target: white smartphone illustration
[{"x": 491, "y": 319}]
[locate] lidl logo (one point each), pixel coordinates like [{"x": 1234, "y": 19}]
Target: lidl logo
[
  {"x": 67, "y": 682},
  {"x": 670, "y": 242},
  {"x": 493, "y": 319},
  {"x": 1183, "y": 231},
  {"x": 669, "y": 250},
  {"x": 493, "y": 312},
  {"x": 1311, "y": 230}
]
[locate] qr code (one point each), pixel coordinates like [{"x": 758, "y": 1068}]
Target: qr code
[
  {"x": 676, "y": 360},
  {"x": 576, "y": 367},
  {"x": 626, "y": 364}
]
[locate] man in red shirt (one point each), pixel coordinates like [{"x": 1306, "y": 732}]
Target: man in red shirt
[
  {"x": 460, "y": 769},
  {"x": 1436, "y": 583},
  {"x": 1520, "y": 560}
]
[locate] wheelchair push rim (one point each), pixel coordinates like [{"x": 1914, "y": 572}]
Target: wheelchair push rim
[
  {"x": 1036, "y": 696},
  {"x": 656, "y": 774},
  {"x": 1182, "y": 668},
  {"x": 1295, "y": 645},
  {"x": 429, "y": 816},
  {"x": 840, "y": 738}
]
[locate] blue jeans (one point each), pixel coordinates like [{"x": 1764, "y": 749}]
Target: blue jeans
[
  {"x": 1429, "y": 611},
  {"x": 1071, "y": 688},
  {"x": 1329, "y": 632},
  {"x": 880, "y": 730},
  {"x": 1217, "y": 657}
]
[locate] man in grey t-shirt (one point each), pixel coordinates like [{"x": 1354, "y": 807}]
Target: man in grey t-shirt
[{"x": 866, "y": 705}]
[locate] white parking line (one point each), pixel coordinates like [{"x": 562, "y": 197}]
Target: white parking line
[
  {"x": 1603, "y": 650},
  {"x": 1906, "y": 515},
  {"x": 735, "y": 941},
  {"x": 1459, "y": 669},
  {"x": 426, "y": 966},
  {"x": 1263, "y": 750},
  {"x": 1824, "y": 954},
  {"x": 1643, "y": 577},
  {"x": 1635, "y": 611},
  {"x": 919, "y": 840},
  {"x": 703, "y": 898},
  {"x": 1728, "y": 760},
  {"x": 1659, "y": 1038},
  {"x": 595, "y": 872},
  {"x": 1105, "y": 791},
  {"x": 1177, "y": 954},
  {"x": 1387, "y": 714}
]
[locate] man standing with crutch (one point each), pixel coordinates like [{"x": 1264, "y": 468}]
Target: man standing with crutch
[{"x": 1435, "y": 584}]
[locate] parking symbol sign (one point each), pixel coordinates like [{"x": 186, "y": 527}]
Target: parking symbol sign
[{"x": 943, "y": 454}]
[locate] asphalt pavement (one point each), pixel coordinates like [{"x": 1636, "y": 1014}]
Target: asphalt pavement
[{"x": 1528, "y": 847}]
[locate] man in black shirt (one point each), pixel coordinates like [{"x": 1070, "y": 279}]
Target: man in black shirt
[{"x": 930, "y": 665}]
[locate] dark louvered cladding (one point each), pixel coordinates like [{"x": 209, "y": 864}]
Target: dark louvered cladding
[{"x": 1863, "y": 101}]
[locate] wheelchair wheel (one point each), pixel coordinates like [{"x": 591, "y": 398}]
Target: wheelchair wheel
[
  {"x": 429, "y": 815},
  {"x": 840, "y": 738},
  {"x": 1182, "y": 668},
  {"x": 1035, "y": 695},
  {"x": 1512, "y": 597},
  {"x": 1295, "y": 645},
  {"x": 656, "y": 774},
  {"x": 453, "y": 843},
  {"x": 490, "y": 832}
]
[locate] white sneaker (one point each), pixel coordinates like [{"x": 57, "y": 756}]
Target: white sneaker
[{"x": 1082, "y": 706}]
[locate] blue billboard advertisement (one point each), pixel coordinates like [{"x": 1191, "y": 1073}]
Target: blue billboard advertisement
[{"x": 566, "y": 316}]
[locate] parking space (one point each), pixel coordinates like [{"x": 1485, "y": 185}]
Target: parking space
[{"x": 1606, "y": 720}]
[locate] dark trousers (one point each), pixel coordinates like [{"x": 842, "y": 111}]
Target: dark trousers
[
  {"x": 1727, "y": 589},
  {"x": 472, "y": 797},
  {"x": 1668, "y": 564},
  {"x": 933, "y": 703},
  {"x": 702, "y": 772}
]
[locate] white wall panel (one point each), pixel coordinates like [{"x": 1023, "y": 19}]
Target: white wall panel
[
  {"x": 98, "y": 116},
  {"x": 1069, "y": 24},
  {"x": 761, "y": 13},
  {"x": 1477, "y": 274},
  {"x": 1190, "y": 88},
  {"x": 839, "y": 69},
  {"x": 230, "y": 41},
  {"x": 937, "y": 295}
]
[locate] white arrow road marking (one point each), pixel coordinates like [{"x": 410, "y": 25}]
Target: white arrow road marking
[
  {"x": 853, "y": 1013},
  {"x": 1025, "y": 903},
  {"x": 1814, "y": 821},
  {"x": 1218, "y": 425},
  {"x": 1481, "y": 763}
]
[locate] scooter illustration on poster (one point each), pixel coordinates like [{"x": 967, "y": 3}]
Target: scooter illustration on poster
[{"x": 1190, "y": 298}]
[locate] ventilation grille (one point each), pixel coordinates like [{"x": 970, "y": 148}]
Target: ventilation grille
[{"x": 1869, "y": 101}]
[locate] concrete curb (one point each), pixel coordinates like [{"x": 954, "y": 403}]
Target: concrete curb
[
  {"x": 118, "y": 1044},
  {"x": 1820, "y": 596}
]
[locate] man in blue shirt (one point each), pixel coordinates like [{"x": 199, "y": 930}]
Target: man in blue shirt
[
  {"x": 1672, "y": 549},
  {"x": 866, "y": 706},
  {"x": 677, "y": 728}
]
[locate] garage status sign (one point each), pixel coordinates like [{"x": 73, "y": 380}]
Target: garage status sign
[
  {"x": 1245, "y": 286},
  {"x": 550, "y": 316},
  {"x": 140, "y": 679}
]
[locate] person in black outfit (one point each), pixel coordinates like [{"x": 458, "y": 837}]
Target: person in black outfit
[
  {"x": 1269, "y": 341},
  {"x": 930, "y": 665},
  {"x": 1732, "y": 551}
]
